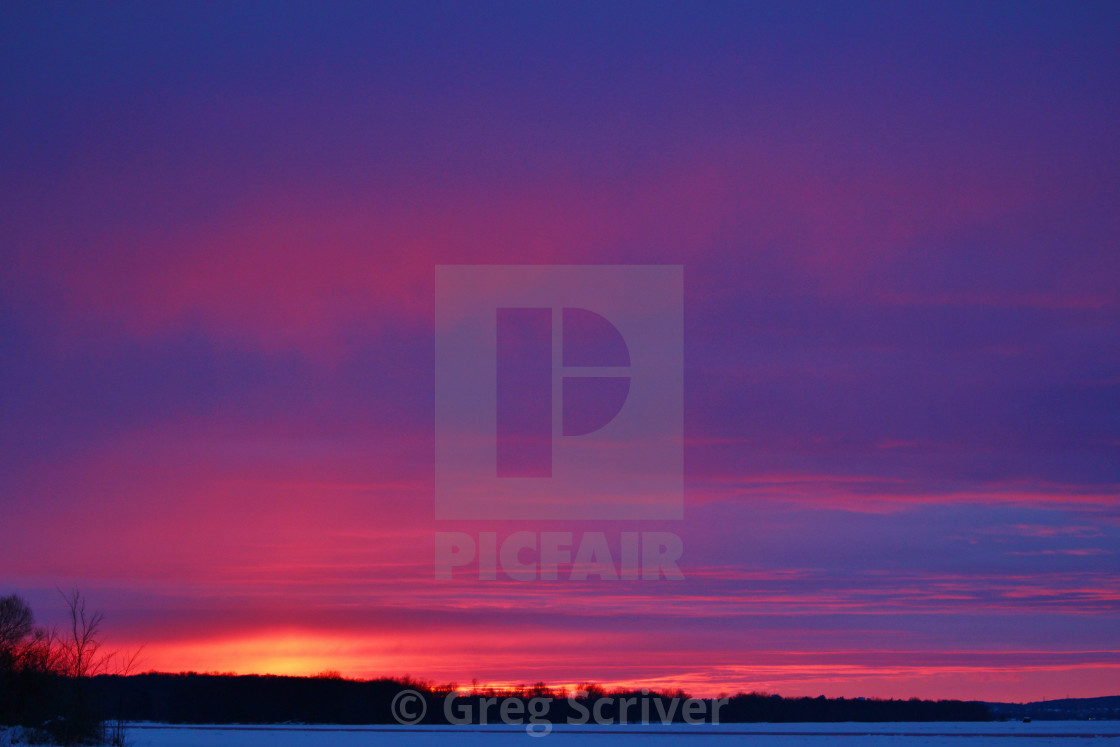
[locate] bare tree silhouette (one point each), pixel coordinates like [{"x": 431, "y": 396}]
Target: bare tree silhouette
[
  {"x": 16, "y": 622},
  {"x": 79, "y": 644}
]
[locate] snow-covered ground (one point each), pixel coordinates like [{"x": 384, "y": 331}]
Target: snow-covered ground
[{"x": 1011, "y": 734}]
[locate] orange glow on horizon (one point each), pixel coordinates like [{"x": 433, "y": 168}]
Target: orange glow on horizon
[
  {"x": 280, "y": 652},
  {"x": 490, "y": 664}
]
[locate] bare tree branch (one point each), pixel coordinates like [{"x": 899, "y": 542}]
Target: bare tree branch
[{"x": 80, "y": 647}]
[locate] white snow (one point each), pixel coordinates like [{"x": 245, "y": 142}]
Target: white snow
[{"x": 1010, "y": 733}]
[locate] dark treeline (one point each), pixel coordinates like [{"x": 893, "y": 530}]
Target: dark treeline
[
  {"x": 1066, "y": 709},
  {"x": 216, "y": 698},
  {"x": 774, "y": 709},
  {"x": 43, "y": 673},
  {"x": 59, "y": 681},
  {"x": 247, "y": 699}
]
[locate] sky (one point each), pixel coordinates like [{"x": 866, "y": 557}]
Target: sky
[{"x": 898, "y": 231}]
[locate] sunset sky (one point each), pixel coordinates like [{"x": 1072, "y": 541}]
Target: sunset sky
[{"x": 900, "y": 241}]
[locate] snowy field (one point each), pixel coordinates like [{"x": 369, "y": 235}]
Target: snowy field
[{"x": 1011, "y": 734}]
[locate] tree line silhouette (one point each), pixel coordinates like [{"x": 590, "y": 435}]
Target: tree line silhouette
[
  {"x": 223, "y": 698},
  {"x": 61, "y": 681},
  {"x": 44, "y": 672}
]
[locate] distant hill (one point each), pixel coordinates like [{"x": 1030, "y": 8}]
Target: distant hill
[{"x": 1106, "y": 708}]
